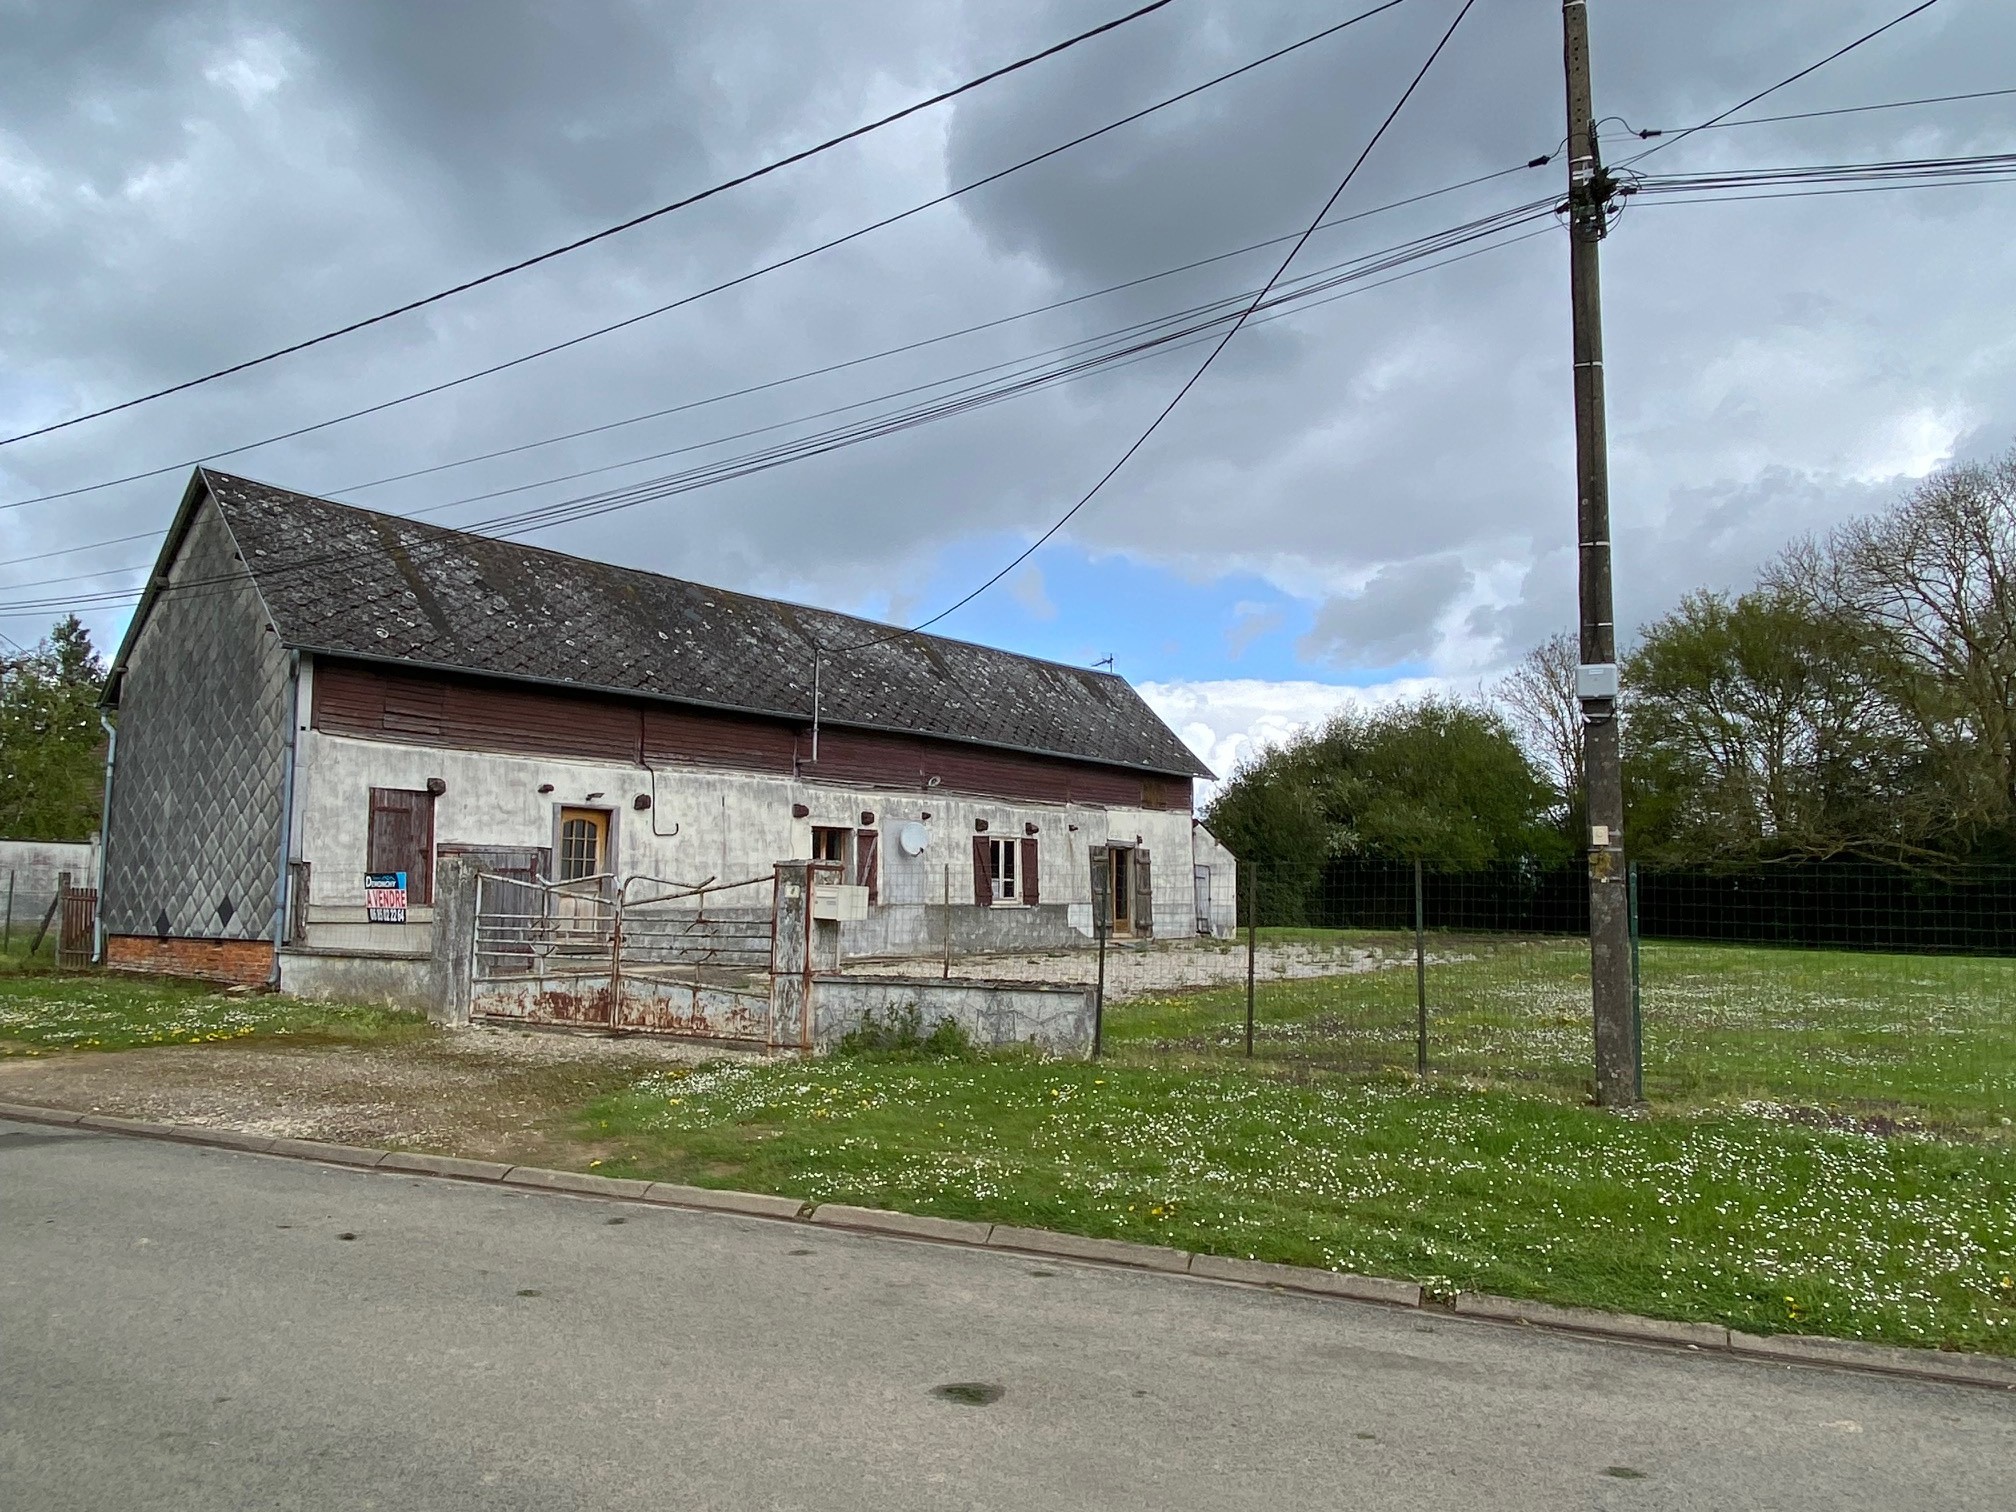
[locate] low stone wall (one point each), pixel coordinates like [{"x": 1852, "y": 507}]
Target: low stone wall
[{"x": 1053, "y": 1018}]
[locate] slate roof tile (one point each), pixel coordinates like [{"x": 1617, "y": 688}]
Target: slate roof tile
[{"x": 354, "y": 582}]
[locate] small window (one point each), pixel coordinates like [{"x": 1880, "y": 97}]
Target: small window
[
  {"x": 400, "y": 838},
  {"x": 830, "y": 844},
  {"x": 1001, "y": 861}
]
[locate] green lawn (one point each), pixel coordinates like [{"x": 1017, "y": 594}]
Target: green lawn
[
  {"x": 44, "y": 1011},
  {"x": 1906, "y": 1040},
  {"x": 1765, "y": 1225}
]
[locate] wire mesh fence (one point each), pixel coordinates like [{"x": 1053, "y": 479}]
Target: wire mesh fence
[
  {"x": 1839, "y": 993},
  {"x": 1858, "y": 995}
]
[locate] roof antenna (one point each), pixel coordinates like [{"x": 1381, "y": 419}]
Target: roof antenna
[{"x": 1104, "y": 661}]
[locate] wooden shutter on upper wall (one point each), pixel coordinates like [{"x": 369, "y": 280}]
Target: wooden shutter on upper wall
[
  {"x": 1102, "y": 887},
  {"x": 983, "y": 872},
  {"x": 1028, "y": 878},
  {"x": 1144, "y": 896},
  {"x": 868, "y": 863},
  {"x": 400, "y": 837}
]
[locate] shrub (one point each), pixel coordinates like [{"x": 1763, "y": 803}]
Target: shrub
[{"x": 901, "y": 1034}]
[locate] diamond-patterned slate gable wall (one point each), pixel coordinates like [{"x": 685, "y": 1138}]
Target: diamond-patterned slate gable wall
[{"x": 193, "y": 840}]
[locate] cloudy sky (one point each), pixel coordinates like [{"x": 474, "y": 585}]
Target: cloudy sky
[{"x": 1365, "y": 496}]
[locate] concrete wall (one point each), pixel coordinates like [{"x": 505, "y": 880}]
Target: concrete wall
[
  {"x": 1057, "y": 1019},
  {"x": 393, "y": 981},
  {"x": 726, "y": 826},
  {"x": 33, "y": 866}
]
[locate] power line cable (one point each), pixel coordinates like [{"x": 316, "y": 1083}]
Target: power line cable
[
  {"x": 1170, "y": 408},
  {"x": 605, "y": 233},
  {"x": 818, "y": 372},
  {"x": 1811, "y": 115},
  {"x": 586, "y": 506},
  {"x": 740, "y": 279},
  {"x": 1839, "y": 52}
]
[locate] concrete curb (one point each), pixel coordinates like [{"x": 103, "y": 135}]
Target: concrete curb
[
  {"x": 575, "y": 1181},
  {"x": 1079, "y": 1247},
  {"x": 909, "y": 1225},
  {"x": 715, "y": 1200},
  {"x": 1590, "y": 1321},
  {"x": 1306, "y": 1278},
  {"x": 1945, "y": 1367}
]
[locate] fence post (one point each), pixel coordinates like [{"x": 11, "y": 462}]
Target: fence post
[
  {"x": 948, "y": 924},
  {"x": 1637, "y": 1005},
  {"x": 1420, "y": 978},
  {"x": 1252, "y": 949},
  {"x": 1099, "y": 992},
  {"x": 7, "y": 934}
]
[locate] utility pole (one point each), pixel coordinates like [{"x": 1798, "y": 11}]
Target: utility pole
[{"x": 1590, "y": 190}]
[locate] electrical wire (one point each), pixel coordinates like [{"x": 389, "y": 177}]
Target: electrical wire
[
  {"x": 605, "y": 233},
  {"x": 740, "y": 279},
  {"x": 1810, "y": 115},
  {"x": 818, "y": 372},
  {"x": 1301, "y": 291},
  {"x": 1210, "y": 357},
  {"x": 1811, "y": 68}
]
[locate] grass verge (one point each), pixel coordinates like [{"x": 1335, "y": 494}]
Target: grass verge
[
  {"x": 1765, "y": 1225},
  {"x": 1903, "y": 1041},
  {"x": 44, "y": 1012}
]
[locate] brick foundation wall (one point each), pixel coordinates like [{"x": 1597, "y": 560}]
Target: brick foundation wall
[{"x": 247, "y": 963}]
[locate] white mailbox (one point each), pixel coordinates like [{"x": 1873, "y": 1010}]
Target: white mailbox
[{"x": 838, "y": 902}]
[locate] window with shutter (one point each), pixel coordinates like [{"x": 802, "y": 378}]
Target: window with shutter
[
  {"x": 1144, "y": 894},
  {"x": 1029, "y": 889},
  {"x": 400, "y": 838}
]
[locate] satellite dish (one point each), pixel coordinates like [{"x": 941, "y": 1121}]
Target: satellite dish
[{"x": 912, "y": 837}]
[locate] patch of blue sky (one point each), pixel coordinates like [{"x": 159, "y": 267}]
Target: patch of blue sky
[{"x": 1157, "y": 623}]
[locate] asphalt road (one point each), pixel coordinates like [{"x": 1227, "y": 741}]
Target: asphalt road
[{"x": 190, "y": 1328}]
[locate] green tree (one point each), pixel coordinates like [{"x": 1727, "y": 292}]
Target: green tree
[
  {"x": 51, "y": 744},
  {"x": 1756, "y": 727},
  {"x": 1441, "y": 780}
]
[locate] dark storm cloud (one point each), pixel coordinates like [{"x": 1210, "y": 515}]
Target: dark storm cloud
[{"x": 182, "y": 185}]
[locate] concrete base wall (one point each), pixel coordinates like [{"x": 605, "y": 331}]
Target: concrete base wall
[
  {"x": 1057, "y": 1019},
  {"x": 405, "y": 982},
  {"x": 918, "y": 929}
]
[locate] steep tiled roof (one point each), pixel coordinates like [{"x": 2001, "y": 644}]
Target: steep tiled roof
[{"x": 353, "y": 582}]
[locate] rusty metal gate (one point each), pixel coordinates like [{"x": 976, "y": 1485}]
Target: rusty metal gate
[{"x": 650, "y": 956}]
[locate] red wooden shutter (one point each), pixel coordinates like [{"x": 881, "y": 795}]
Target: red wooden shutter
[
  {"x": 983, "y": 872},
  {"x": 1029, "y": 893},
  {"x": 1144, "y": 894},
  {"x": 868, "y": 863},
  {"x": 401, "y": 838}
]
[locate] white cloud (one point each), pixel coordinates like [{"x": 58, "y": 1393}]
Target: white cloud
[{"x": 1229, "y": 721}]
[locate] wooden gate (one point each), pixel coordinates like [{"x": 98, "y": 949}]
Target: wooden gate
[{"x": 77, "y": 931}]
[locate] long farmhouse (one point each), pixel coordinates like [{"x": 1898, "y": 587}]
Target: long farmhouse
[{"x": 312, "y": 694}]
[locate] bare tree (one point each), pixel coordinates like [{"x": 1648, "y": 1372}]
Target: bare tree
[
  {"x": 1931, "y": 585},
  {"x": 1539, "y": 697}
]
